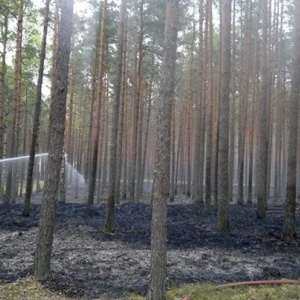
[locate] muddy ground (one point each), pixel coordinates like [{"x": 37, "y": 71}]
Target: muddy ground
[{"x": 87, "y": 263}]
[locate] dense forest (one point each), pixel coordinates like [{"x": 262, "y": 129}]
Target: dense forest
[{"x": 191, "y": 97}]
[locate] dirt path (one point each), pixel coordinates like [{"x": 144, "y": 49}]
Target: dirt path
[{"x": 88, "y": 263}]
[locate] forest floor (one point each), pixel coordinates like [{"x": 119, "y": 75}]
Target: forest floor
[{"x": 87, "y": 263}]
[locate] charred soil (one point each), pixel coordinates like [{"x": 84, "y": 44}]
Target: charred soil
[{"x": 87, "y": 263}]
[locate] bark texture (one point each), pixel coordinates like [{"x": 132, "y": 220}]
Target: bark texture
[
  {"x": 57, "y": 128},
  {"x": 289, "y": 226},
  {"x": 262, "y": 121},
  {"x": 95, "y": 154},
  {"x": 37, "y": 113},
  {"x": 223, "y": 219},
  {"x": 4, "y": 37},
  {"x": 158, "y": 264},
  {"x": 13, "y": 139},
  {"x": 109, "y": 219}
]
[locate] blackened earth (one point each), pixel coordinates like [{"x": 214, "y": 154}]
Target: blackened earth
[{"x": 87, "y": 263}]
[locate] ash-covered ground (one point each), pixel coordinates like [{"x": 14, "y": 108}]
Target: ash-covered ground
[{"x": 88, "y": 264}]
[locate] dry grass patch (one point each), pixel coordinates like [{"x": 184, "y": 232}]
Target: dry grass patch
[
  {"x": 26, "y": 289},
  {"x": 211, "y": 292},
  {"x": 30, "y": 289}
]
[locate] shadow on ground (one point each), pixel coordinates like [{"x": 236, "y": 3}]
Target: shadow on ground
[{"x": 88, "y": 263}]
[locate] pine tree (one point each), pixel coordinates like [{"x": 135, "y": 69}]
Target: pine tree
[
  {"x": 109, "y": 219},
  {"x": 57, "y": 128},
  {"x": 289, "y": 226},
  {"x": 158, "y": 264},
  {"x": 223, "y": 219},
  {"x": 37, "y": 113}
]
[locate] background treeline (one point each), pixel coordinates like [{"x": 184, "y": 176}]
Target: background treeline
[{"x": 261, "y": 67}]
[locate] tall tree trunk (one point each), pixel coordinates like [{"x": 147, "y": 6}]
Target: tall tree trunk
[
  {"x": 62, "y": 180},
  {"x": 136, "y": 108},
  {"x": 232, "y": 107},
  {"x": 283, "y": 126},
  {"x": 280, "y": 102},
  {"x": 93, "y": 171},
  {"x": 15, "y": 124},
  {"x": 105, "y": 142},
  {"x": 158, "y": 263},
  {"x": 147, "y": 125},
  {"x": 244, "y": 105},
  {"x": 57, "y": 128},
  {"x": 173, "y": 156},
  {"x": 125, "y": 151},
  {"x": 200, "y": 121},
  {"x": 182, "y": 163},
  {"x": 69, "y": 133},
  {"x": 22, "y": 165},
  {"x": 91, "y": 131},
  {"x": 139, "y": 157},
  {"x": 210, "y": 97},
  {"x": 178, "y": 154},
  {"x": 109, "y": 218},
  {"x": 4, "y": 37},
  {"x": 252, "y": 106},
  {"x": 121, "y": 135},
  {"x": 251, "y": 140},
  {"x": 289, "y": 226},
  {"x": 216, "y": 114},
  {"x": 92, "y": 117},
  {"x": 262, "y": 161},
  {"x": 189, "y": 110},
  {"x": 54, "y": 57},
  {"x": 270, "y": 92},
  {"x": 223, "y": 219},
  {"x": 37, "y": 114}
]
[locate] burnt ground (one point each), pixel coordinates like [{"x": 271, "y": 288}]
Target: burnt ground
[{"x": 87, "y": 263}]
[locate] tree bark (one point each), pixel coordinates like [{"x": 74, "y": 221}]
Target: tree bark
[
  {"x": 158, "y": 264},
  {"x": 15, "y": 123},
  {"x": 69, "y": 129},
  {"x": 190, "y": 104},
  {"x": 223, "y": 219},
  {"x": 289, "y": 226},
  {"x": 232, "y": 126},
  {"x": 121, "y": 131},
  {"x": 216, "y": 114},
  {"x": 209, "y": 110},
  {"x": 197, "y": 192},
  {"x": 105, "y": 142},
  {"x": 173, "y": 156},
  {"x": 147, "y": 125},
  {"x": 109, "y": 218},
  {"x": 57, "y": 128},
  {"x": 134, "y": 164},
  {"x": 93, "y": 171},
  {"x": 54, "y": 58},
  {"x": 4, "y": 37},
  {"x": 244, "y": 105},
  {"x": 37, "y": 114},
  {"x": 252, "y": 105},
  {"x": 262, "y": 159}
]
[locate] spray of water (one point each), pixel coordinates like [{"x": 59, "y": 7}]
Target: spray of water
[
  {"x": 74, "y": 175},
  {"x": 21, "y": 157},
  {"x": 18, "y": 165}
]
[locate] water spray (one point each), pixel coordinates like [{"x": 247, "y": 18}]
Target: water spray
[{"x": 21, "y": 157}]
